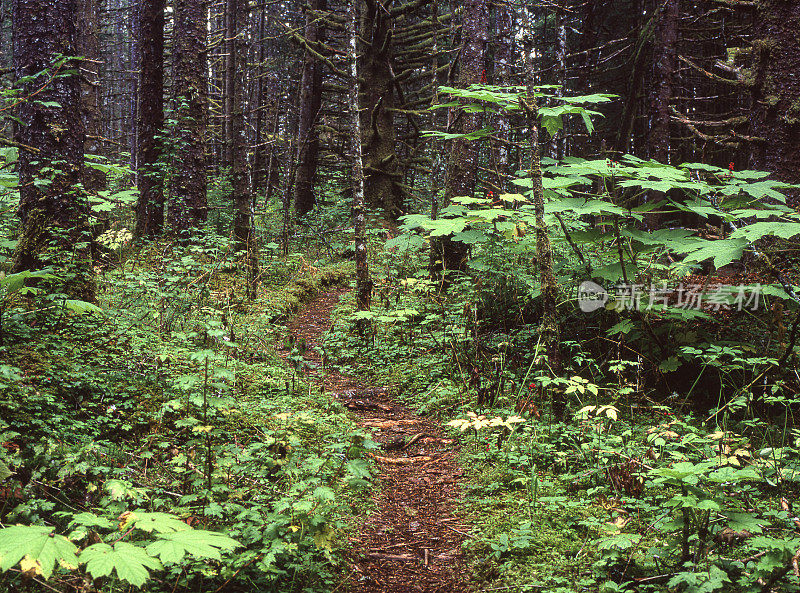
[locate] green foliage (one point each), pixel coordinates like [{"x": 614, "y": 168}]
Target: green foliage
[{"x": 156, "y": 431}]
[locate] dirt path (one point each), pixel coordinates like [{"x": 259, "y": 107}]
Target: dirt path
[{"x": 412, "y": 543}]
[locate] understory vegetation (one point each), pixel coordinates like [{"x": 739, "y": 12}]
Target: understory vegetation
[
  {"x": 675, "y": 465},
  {"x": 157, "y": 439},
  {"x": 610, "y": 341}
]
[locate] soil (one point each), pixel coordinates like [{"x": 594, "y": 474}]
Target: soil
[{"x": 412, "y": 542}]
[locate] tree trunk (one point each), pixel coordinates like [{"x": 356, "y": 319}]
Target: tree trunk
[
  {"x": 54, "y": 216},
  {"x": 665, "y": 64},
  {"x": 382, "y": 183},
  {"x": 463, "y": 166},
  {"x": 503, "y": 61},
  {"x": 259, "y": 75},
  {"x": 363, "y": 282},
  {"x": 310, "y": 103},
  {"x": 150, "y": 206},
  {"x": 776, "y": 92},
  {"x": 559, "y": 141},
  {"x": 243, "y": 209},
  {"x": 188, "y": 208},
  {"x": 228, "y": 84},
  {"x": 549, "y": 327},
  {"x": 91, "y": 91}
]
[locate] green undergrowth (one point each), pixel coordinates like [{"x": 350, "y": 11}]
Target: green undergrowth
[
  {"x": 304, "y": 286},
  {"x": 160, "y": 441},
  {"x": 690, "y": 493}
]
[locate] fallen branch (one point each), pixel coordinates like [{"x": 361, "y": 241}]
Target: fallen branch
[{"x": 400, "y": 460}]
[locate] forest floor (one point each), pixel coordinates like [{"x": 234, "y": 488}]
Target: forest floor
[{"x": 412, "y": 541}]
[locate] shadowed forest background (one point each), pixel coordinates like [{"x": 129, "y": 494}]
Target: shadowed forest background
[{"x": 399, "y": 296}]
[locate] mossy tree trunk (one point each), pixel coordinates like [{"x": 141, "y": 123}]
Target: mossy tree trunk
[
  {"x": 383, "y": 178},
  {"x": 550, "y": 325},
  {"x": 776, "y": 91},
  {"x": 53, "y": 207},
  {"x": 188, "y": 206}
]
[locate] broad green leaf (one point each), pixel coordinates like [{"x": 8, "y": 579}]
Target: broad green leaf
[
  {"x": 723, "y": 251},
  {"x": 43, "y": 547},
  {"x": 757, "y": 230},
  {"x": 90, "y": 520},
  {"x": 130, "y": 562},
  {"x": 81, "y": 307},
  {"x": 157, "y": 522},
  {"x": 172, "y": 547},
  {"x": 14, "y": 282}
]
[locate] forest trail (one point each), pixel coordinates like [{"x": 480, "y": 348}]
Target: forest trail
[{"x": 412, "y": 541}]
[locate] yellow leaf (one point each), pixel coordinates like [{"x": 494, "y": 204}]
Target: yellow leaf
[
  {"x": 30, "y": 566},
  {"x": 621, "y": 521},
  {"x": 125, "y": 519}
]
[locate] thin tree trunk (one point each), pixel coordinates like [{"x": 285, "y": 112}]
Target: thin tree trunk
[
  {"x": 259, "y": 75},
  {"x": 665, "y": 66},
  {"x": 561, "y": 78},
  {"x": 150, "y": 206},
  {"x": 228, "y": 83},
  {"x": 363, "y": 281},
  {"x": 549, "y": 328},
  {"x": 133, "y": 70},
  {"x": 243, "y": 231},
  {"x": 503, "y": 60},
  {"x": 188, "y": 208},
  {"x": 54, "y": 216}
]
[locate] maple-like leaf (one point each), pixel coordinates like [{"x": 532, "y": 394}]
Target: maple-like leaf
[
  {"x": 39, "y": 546},
  {"x": 172, "y": 547},
  {"x": 130, "y": 562}
]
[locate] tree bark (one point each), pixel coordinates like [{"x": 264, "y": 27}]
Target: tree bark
[
  {"x": 91, "y": 90},
  {"x": 382, "y": 187},
  {"x": 55, "y": 215},
  {"x": 228, "y": 83},
  {"x": 665, "y": 64},
  {"x": 549, "y": 327},
  {"x": 310, "y": 103},
  {"x": 363, "y": 282},
  {"x": 189, "y": 207},
  {"x": 463, "y": 166},
  {"x": 243, "y": 210},
  {"x": 776, "y": 92},
  {"x": 150, "y": 206},
  {"x": 259, "y": 75},
  {"x": 503, "y": 60}
]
